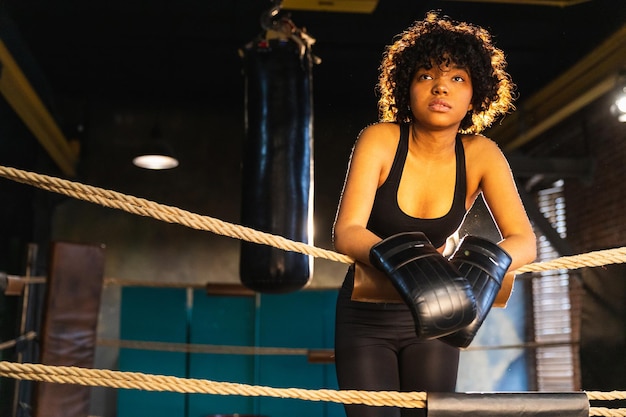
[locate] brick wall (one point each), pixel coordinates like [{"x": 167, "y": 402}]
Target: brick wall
[
  {"x": 596, "y": 219},
  {"x": 596, "y": 215}
]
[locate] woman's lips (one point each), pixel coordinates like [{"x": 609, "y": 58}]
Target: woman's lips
[{"x": 439, "y": 105}]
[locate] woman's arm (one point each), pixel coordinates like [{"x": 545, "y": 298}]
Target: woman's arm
[
  {"x": 502, "y": 198},
  {"x": 369, "y": 156}
]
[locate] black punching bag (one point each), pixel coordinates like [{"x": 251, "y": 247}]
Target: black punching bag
[{"x": 277, "y": 182}]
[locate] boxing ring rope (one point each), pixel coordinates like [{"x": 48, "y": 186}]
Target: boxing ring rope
[
  {"x": 282, "y": 351},
  {"x": 169, "y": 214},
  {"x": 163, "y": 212},
  {"x": 147, "y": 382},
  {"x": 209, "y": 349}
]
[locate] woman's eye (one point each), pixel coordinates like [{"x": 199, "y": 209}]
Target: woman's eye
[
  {"x": 458, "y": 78},
  {"x": 424, "y": 77}
]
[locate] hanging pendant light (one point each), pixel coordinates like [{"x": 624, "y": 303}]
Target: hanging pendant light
[{"x": 157, "y": 153}]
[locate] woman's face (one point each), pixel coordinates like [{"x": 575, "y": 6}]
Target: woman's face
[{"x": 441, "y": 96}]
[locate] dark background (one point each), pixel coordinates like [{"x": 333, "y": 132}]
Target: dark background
[{"x": 109, "y": 71}]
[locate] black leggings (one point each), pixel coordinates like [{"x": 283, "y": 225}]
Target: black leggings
[{"x": 376, "y": 349}]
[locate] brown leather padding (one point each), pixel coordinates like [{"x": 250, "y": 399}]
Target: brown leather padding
[
  {"x": 372, "y": 285},
  {"x": 68, "y": 334},
  {"x": 506, "y": 289}
]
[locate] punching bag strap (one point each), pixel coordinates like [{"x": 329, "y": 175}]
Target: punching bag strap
[
  {"x": 277, "y": 26},
  {"x": 522, "y": 404}
]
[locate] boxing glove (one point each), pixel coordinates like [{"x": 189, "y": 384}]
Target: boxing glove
[
  {"x": 483, "y": 264},
  {"x": 439, "y": 298}
]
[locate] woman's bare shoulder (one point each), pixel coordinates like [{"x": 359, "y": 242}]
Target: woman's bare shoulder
[
  {"x": 378, "y": 135},
  {"x": 481, "y": 146}
]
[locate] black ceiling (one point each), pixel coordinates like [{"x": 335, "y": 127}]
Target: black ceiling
[{"x": 189, "y": 48}]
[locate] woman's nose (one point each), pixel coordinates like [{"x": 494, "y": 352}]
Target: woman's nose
[{"x": 440, "y": 88}]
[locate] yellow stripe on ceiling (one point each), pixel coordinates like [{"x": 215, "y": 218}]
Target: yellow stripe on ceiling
[
  {"x": 21, "y": 96},
  {"x": 589, "y": 79}
]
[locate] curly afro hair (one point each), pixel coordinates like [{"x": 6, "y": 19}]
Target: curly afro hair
[{"x": 440, "y": 40}]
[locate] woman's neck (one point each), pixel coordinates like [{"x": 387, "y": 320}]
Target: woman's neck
[{"x": 433, "y": 142}]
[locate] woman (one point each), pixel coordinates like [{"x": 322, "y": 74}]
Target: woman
[{"x": 420, "y": 169}]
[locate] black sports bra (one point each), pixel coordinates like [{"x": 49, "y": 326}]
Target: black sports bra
[{"x": 387, "y": 219}]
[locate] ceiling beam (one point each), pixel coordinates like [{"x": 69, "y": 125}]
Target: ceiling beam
[
  {"x": 589, "y": 79},
  {"x": 554, "y": 168},
  {"x": 558, "y": 3},
  {"x": 349, "y": 6},
  {"x": 21, "y": 96}
]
